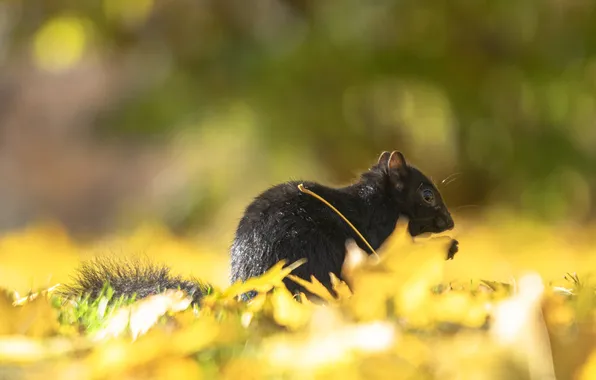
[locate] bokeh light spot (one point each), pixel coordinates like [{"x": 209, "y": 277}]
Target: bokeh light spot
[
  {"x": 60, "y": 43},
  {"x": 129, "y": 12}
]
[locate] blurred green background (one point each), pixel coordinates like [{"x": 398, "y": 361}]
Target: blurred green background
[{"x": 115, "y": 112}]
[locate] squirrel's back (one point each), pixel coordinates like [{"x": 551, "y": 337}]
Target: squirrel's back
[{"x": 285, "y": 223}]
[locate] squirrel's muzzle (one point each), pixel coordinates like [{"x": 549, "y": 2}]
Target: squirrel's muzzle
[{"x": 444, "y": 222}]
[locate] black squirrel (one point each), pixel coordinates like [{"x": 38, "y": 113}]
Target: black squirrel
[{"x": 285, "y": 223}]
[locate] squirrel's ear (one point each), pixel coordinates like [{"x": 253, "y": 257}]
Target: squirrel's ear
[
  {"x": 397, "y": 162},
  {"x": 383, "y": 158}
]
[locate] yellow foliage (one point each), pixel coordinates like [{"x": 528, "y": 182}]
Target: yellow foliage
[
  {"x": 589, "y": 370},
  {"x": 37, "y": 257},
  {"x": 314, "y": 286},
  {"x": 36, "y": 318},
  {"x": 287, "y": 312},
  {"x": 270, "y": 279},
  {"x": 407, "y": 314},
  {"x": 178, "y": 368}
]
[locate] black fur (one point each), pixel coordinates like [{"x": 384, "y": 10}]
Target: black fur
[
  {"x": 128, "y": 277},
  {"x": 284, "y": 223}
]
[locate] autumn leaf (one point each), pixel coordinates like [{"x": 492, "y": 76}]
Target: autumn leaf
[
  {"x": 264, "y": 283},
  {"x": 34, "y": 318},
  {"x": 314, "y": 286},
  {"x": 287, "y": 311}
]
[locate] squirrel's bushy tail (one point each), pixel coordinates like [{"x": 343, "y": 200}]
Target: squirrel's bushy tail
[{"x": 128, "y": 277}]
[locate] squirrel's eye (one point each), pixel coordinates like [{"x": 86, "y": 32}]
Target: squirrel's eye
[{"x": 428, "y": 196}]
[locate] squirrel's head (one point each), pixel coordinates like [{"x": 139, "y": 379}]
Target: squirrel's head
[{"x": 416, "y": 195}]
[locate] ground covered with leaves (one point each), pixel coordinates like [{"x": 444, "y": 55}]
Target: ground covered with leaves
[{"x": 515, "y": 303}]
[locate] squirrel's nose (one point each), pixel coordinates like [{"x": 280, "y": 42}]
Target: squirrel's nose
[
  {"x": 445, "y": 222},
  {"x": 450, "y": 223}
]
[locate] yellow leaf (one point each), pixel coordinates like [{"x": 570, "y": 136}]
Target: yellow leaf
[
  {"x": 25, "y": 262},
  {"x": 314, "y": 286},
  {"x": 36, "y": 318},
  {"x": 8, "y": 313},
  {"x": 403, "y": 277},
  {"x": 178, "y": 368},
  {"x": 371, "y": 292},
  {"x": 264, "y": 283},
  {"x": 112, "y": 357},
  {"x": 287, "y": 311},
  {"x": 245, "y": 369},
  {"x": 20, "y": 349},
  {"x": 256, "y": 304},
  {"x": 588, "y": 371},
  {"x": 451, "y": 307},
  {"x": 416, "y": 290},
  {"x": 32, "y": 296},
  {"x": 340, "y": 287}
]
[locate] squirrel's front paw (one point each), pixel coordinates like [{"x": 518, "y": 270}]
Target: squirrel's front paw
[{"x": 453, "y": 248}]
